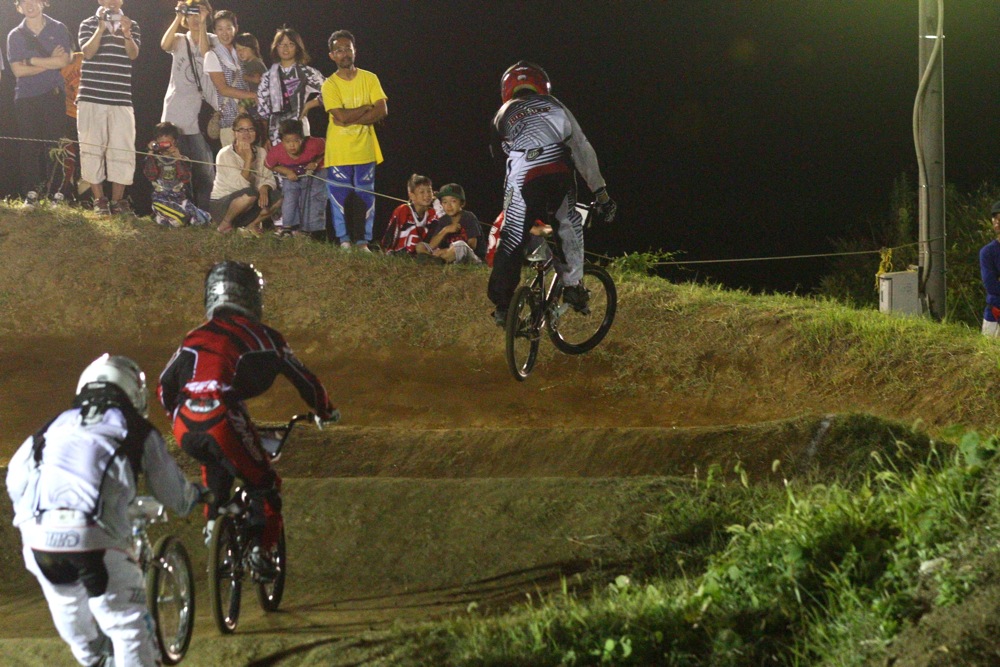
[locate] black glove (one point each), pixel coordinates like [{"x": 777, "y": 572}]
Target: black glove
[
  {"x": 605, "y": 206},
  {"x": 204, "y": 495}
]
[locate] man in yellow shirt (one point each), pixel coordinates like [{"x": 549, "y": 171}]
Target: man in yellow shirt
[{"x": 355, "y": 101}]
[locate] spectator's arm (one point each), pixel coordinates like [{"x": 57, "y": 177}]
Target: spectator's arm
[
  {"x": 131, "y": 43},
  {"x": 171, "y": 36},
  {"x": 91, "y": 44},
  {"x": 219, "y": 79},
  {"x": 348, "y": 116},
  {"x": 374, "y": 113}
]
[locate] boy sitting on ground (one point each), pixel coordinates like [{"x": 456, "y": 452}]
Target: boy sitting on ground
[
  {"x": 170, "y": 174},
  {"x": 295, "y": 158},
  {"x": 409, "y": 222},
  {"x": 456, "y": 238}
]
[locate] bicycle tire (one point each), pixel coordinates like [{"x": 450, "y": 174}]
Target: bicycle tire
[
  {"x": 522, "y": 332},
  {"x": 225, "y": 575},
  {"x": 269, "y": 593},
  {"x": 170, "y": 594},
  {"x": 574, "y": 332}
]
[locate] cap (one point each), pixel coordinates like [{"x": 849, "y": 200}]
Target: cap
[{"x": 452, "y": 190}]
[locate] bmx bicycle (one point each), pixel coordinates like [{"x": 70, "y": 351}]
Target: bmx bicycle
[
  {"x": 537, "y": 306},
  {"x": 229, "y": 552},
  {"x": 169, "y": 580}
]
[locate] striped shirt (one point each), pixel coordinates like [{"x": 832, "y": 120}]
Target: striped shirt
[{"x": 107, "y": 77}]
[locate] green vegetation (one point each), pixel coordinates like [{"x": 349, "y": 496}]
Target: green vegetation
[{"x": 824, "y": 574}]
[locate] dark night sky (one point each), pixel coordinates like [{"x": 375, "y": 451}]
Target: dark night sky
[{"x": 725, "y": 128}]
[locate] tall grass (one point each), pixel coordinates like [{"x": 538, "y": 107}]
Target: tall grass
[{"x": 826, "y": 574}]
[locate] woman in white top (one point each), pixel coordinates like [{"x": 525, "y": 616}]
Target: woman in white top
[
  {"x": 223, "y": 66},
  {"x": 290, "y": 88},
  {"x": 242, "y": 182},
  {"x": 187, "y": 88}
]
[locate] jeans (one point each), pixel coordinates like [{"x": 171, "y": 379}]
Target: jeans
[{"x": 40, "y": 117}]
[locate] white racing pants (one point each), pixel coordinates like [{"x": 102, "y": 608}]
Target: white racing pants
[{"x": 119, "y": 613}]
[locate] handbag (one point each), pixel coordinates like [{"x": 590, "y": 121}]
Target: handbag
[
  {"x": 213, "y": 123},
  {"x": 214, "y": 127}
]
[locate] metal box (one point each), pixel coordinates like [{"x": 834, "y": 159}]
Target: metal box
[{"x": 899, "y": 293}]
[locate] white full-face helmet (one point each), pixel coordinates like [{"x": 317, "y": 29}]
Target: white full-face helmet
[{"x": 121, "y": 372}]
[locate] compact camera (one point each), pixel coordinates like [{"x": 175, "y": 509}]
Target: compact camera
[
  {"x": 112, "y": 16},
  {"x": 190, "y": 9},
  {"x": 159, "y": 147}
]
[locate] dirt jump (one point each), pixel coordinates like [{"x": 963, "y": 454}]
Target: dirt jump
[{"x": 447, "y": 487}]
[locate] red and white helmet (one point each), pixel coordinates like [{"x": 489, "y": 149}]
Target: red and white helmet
[{"x": 524, "y": 75}]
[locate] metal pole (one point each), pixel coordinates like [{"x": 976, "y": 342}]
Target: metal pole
[{"x": 932, "y": 184}]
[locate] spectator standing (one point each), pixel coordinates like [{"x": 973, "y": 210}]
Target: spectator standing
[
  {"x": 457, "y": 236},
  {"x": 37, "y": 49},
  {"x": 295, "y": 158},
  {"x": 355, "y": 101},
  {"x": 290, "y": 89},
  {"x": 989, "y": 269},
  {"x": 105, "y": 120},
  {"x": 188, "y": 88},
  {"x": 242, "y": 181},
  {"x": 223, "y": 66},
  {"x": 410, "y": 222}
]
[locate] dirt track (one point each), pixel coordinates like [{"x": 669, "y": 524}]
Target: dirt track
[{"x": 426, "y": 500}]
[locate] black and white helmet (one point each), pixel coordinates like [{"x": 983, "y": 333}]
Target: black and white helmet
[
  {"x": 236, "y": 286},
  {"x": 119, "y": 371}
]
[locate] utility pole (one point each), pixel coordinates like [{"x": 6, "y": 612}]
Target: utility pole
[{"x": 929, "y": 137}]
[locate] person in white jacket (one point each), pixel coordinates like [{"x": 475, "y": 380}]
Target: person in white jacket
[{"x": 71, "y": 484}]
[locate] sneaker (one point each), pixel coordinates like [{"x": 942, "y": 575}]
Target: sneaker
[
  {"x": 500, "y": 318},
  {"x": 283, "y": 233},
  {"x": 576, "y": 296},
  {"x": 362, "y": 247},
  {"x": 345, "y": 245},
  {"x": 102, "y": 207},
  {"x": 58, "y": 198},
  {"x": 207, "y": 532},
  {"x": 121, "y": 207},
  {"x": 262, "y": 565},
  {"x": 30, "y": 201}
]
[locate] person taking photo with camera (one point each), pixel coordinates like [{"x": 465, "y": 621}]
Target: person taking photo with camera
[
  {"x": 105, "y": 120},
  {"x": 187, "y": 39}
]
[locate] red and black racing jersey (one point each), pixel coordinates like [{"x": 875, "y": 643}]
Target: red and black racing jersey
[{"x": 234, "y": 358}]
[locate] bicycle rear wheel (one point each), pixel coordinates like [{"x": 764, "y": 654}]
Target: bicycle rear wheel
[
  {"x": 522, "y": 332},
  {"x": 225, "y": 575},
  {"x": 170, "y": 594},
  {"x": 269, "y": 593},
  {"x": 575, "y": 332}
]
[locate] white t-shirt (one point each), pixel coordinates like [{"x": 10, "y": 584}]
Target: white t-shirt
[{"x": 183, "y": 101}]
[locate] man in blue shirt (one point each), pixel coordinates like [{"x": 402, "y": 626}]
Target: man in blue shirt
[
  {"x": 989, "y": 269},
  {"x": 37, "y": 49}
]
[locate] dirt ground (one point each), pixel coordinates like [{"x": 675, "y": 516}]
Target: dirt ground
[{"x": 428, "y": 500}]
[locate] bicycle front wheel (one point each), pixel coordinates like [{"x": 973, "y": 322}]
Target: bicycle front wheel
[
  {"x": 576, "y": 332},
  {"x": 170, "y": 594},
  {"x": 522, "y": 332},
  {"x": 225, "y": 575},
  {"x": 269, "y": 592}
]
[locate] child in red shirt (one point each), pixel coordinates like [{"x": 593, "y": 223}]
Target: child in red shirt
[{"x": 294, "y": 159}]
